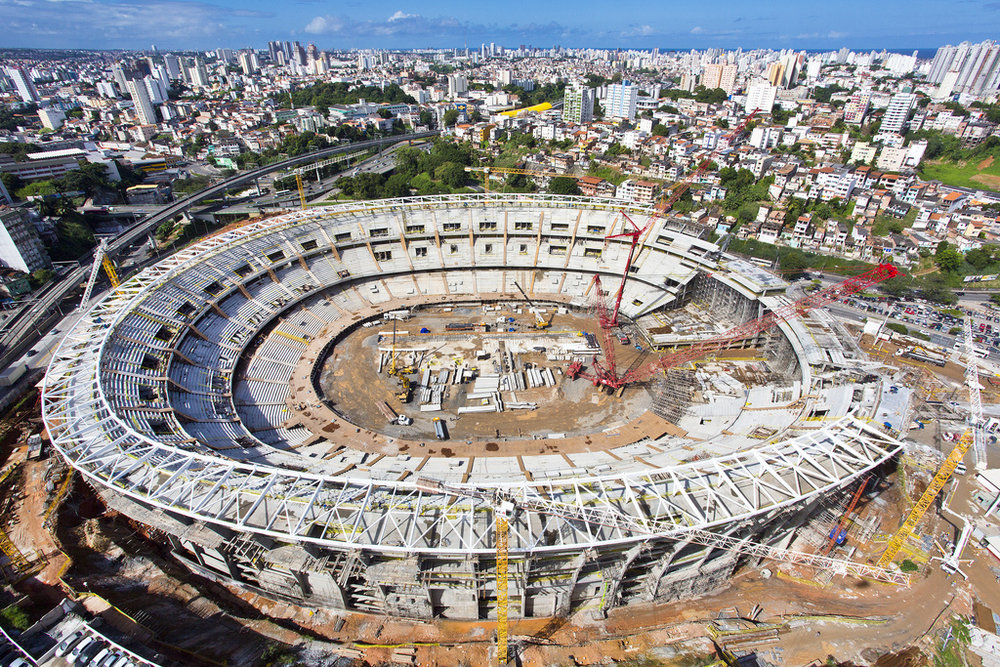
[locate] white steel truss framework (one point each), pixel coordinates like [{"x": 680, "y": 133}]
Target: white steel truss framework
[{"x": 400, "y": 516}]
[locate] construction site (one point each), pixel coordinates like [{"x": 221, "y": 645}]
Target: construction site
[{"x": 493, "y": 428}]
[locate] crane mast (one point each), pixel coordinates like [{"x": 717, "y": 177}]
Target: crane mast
[
  {"x": 791, "y": 310},
  {"x": 946, "y": 470}
]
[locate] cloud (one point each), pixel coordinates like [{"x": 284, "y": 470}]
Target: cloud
[
  {"x": 401, "y": 24},
  {"x": 638, "y": 31},
  {"x": 324, "y": 24},
  {"x": 123, "y": 22},
  {"x": 697, "y": 30},
  {"x": 833, "y": 34}
]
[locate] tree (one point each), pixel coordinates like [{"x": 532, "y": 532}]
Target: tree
[
  {"x": 660, "y": 130},
  {"x": 949, "y": 260},
  {"x": 979, "y": 258},
  {"x": 396, "y": 185},
  {"x": 11, "y": 182},
  {"x": 794, "y": 263},
  {"x": 426, "y": 118},
  {"x": 451, "y": 174},
  {"x": 563, "y": 185},
  {"x": 450, "y": 117}
]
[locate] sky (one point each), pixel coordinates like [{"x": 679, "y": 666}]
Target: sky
[{"x": 668, "y": 24}]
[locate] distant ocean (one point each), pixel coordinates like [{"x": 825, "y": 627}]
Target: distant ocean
[{"x": 923, "y": 54}]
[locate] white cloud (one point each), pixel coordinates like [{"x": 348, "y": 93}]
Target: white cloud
[
  {"x": 120, "y": 22},
  {"x": 401, "y": 16},
  {"x": 324, "y": 24},
  {"x": 697, "y": 30},
  {"x": 833, "y": 34}
]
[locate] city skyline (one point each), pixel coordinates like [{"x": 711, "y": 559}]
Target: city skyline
[{"x": 195, "y": 24}]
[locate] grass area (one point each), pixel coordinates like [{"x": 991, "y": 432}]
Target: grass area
[
  {"x": 974, "y": 173},
  {"x": 609, "y": 174},
  {"x": 885, "y": 225}
]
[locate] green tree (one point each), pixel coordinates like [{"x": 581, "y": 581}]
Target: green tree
[
  {"x": 426, "y": 118},
  {"x": 563, "y": 185},
  {"x": 450, "y": 117},
  {"x": 660, "y": 130},
  {"x": 793, "y": 264},
  {"x": 949, "y": 260},
  {"x": 451, "y": 174},
  {"x": 397, "y": 185}
]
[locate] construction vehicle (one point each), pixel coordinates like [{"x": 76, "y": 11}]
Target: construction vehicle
[
  {"x": 505, "y": 506},
  {"x": 605, "y": 373},
  {"x": 838, "y": 534},
  {"x": 405, "y": 392},
  {"x": 540, "y": 321},
  {"x": 954, "y": 459}
]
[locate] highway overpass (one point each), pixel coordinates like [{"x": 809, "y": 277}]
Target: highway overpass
[{"x": 34, "y": 321}]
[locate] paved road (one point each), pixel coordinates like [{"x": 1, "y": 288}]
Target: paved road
[{"x": 27, "y": 329}]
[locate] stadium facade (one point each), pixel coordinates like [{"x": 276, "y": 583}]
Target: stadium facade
[{"x": 172, "y": 397}]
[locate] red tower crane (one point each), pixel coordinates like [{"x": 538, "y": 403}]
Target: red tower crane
[
  {"x": 605, "y": 377},
  {"x": 665, "y": 205}
]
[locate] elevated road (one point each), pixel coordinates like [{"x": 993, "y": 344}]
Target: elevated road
[{"x": 32, "y": 323}]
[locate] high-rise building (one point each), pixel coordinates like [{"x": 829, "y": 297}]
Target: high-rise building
[
  {"x": 761, "y": 96},
  {"x": 578, "y": 104},
  {"x": 140, "y": 98},
  {"x": 621, "y": 100},
  {"x": 248, "y": 62},
  {"x": 727, "y": 79},
  {"x": 711, "y": 75},
  {"x": 458, "y": 85},
  {"x": 897, "y": 113},
  {"x": 197, "y": 74},
  {"x": 173, "y": 66},
  {"x": 967, "y": 68},
  {"x": 25, "y": 86},
  {"x": 20, "y": 247},
  {"x": 857, "y": 107},
  {"x": 155, "y": 89}
]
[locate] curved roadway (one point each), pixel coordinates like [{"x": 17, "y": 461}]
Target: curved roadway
[{"x": 34, "y": 318}]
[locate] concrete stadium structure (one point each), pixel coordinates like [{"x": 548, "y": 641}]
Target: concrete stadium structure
[{"x": 175, "y": 397}]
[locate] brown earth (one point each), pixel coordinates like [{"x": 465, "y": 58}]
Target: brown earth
[{"x": 989, "y": 180}]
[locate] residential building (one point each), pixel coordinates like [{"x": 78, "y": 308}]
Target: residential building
[
  {"x": 458, "y": 85},
  {"x": 25, "y": 86},
  {"x": 20, "y": 247},
  {"x": 140, "y": 98},
  {"x": 51, "y": 117},
  {"x": 621, "y": 100},
  {"x": 857, "y": 107},
  {"x": 761, "y": 96},
  {"x": 637, "y": 191},
  {"x": 578, "y": 105},
  {"x": 897, "y": 113}
]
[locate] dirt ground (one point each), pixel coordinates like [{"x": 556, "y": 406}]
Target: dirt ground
[
  {"x": 197, "y": 622},
  {"x": 352, "y": 382}
]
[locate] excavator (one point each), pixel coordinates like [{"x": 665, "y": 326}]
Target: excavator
[
  {"x": 400, "y": 373},
  {"x": 540, "y": 322}
]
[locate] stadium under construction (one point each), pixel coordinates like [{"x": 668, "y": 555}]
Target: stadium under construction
[{"x": 332, "y": 407}]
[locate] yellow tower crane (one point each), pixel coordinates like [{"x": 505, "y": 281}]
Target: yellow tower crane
[
  {"x": 950, "y": 463},
  {"x": 302, "y": 192}
]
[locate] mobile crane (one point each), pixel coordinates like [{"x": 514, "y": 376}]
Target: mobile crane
[
  {"x": 605, "y": 375},
  {"x": 540, "y": 322}
]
